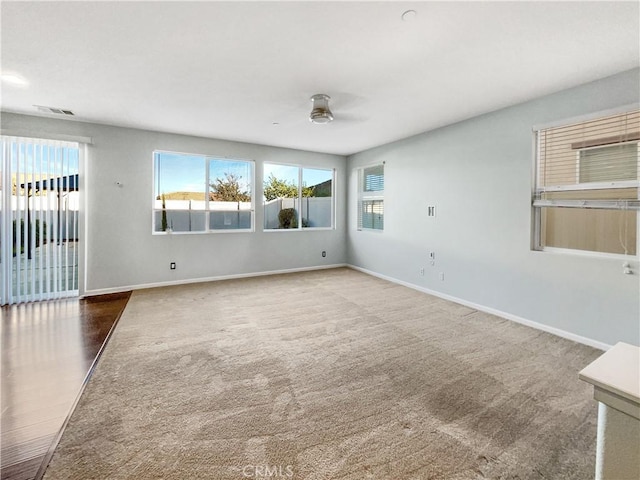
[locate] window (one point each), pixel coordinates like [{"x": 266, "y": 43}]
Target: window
[
  {"x": 297, "y": 197},
  {"x": 195, "y": 193},
  {"x": 371, "y": 198},
  {"x": 586, "y": 189}
]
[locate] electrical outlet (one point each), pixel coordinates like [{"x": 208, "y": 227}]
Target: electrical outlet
[
  {"x": 442, "y": 276},
  {"x": 324, "y": 254},
  {"x": 422, "y": 272},
  {"x": 172, "y": 265}
]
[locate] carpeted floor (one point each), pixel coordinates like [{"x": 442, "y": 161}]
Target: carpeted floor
[{"x": 328, "y": 374}]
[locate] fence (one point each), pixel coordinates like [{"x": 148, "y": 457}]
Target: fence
[
  {"x": 191, "y": 216},
  {"x": 316, "y": 211},
  {"x": 58, "y": 217}
]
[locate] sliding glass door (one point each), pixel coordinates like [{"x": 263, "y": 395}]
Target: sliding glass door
[{"x": 39, "y": 206}]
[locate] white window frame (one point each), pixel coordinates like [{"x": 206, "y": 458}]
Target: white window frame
[
  {"x": 301, "y": 169},
  {"x": 207, "y": 211},
  {"x": 368, "y": 196},
  {"x": 537, "y": 204}
]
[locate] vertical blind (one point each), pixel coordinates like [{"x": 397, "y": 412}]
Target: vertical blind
[{"x": 39, "y": 219}]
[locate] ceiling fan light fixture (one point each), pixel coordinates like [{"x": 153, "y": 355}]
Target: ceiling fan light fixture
[{"x": 320, "y": 112}]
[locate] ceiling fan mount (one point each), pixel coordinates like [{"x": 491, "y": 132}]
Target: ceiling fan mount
[{"x": 320, "y": 112}]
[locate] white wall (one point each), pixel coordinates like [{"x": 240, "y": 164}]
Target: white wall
[
  {"x": 121, "y": 250},
  {"x": 478, "y": 173}
]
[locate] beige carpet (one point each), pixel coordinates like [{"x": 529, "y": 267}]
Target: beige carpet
[{"x": 327, "y": 375}]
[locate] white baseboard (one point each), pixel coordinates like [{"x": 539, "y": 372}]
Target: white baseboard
[
  {"x": 514, "y": 318},
  {"x": 530, "y": 323},
  {"x": 103, "y": 291}
]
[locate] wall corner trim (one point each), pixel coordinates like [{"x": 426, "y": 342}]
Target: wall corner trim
[{"x": 514, "y": 318}]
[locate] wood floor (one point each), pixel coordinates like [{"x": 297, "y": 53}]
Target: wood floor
[{"x": 47, "y": 350}]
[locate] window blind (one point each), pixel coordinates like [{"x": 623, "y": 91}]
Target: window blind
[
  {"x": 40, "y": 206},
  {"x": 371, "y": 198},
  {"x": 599, "y": 155},
  {"x": 373, "y": 179}
]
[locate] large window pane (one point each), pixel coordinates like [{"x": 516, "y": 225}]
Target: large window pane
[
  {"x": 180, "y": 186},
  {"x": 317, "y": 201},
  {"x": 281, "y": 196},
  {"x": 595, "y": 230},
  {"x": 230, "y": 195},
  {"x": 182, "y": 220}
]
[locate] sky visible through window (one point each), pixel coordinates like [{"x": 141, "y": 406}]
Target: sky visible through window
[
  {"x": 46, "y": 161},
  {"x": 186, "y": 173},
  {"x": 240, "y": 170},
  {"x": 311, "y": 176},
  {"x": 179, "y": 173},
  {"x": 282, "y": 172}
]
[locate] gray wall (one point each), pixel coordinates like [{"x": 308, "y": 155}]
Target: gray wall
[
  {"x": 122, "y": 251},
  {"x": 478, "y": 173}
]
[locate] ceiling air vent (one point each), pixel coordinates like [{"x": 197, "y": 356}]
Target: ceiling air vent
[{"x": 57, "y": 111}]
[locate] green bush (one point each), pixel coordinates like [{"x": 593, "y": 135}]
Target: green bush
[
  {"x": 288, "y": 218},
  {"x": 35, "y": 230}
]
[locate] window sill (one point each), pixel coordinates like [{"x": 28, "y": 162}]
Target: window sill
[
  {"x": 209, "y": 232},
  {"x": 586, "y": 253},
  {"x": 308, "y": 229}
]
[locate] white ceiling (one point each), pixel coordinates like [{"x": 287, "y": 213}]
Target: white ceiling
[{"x": 230, "y": 70}]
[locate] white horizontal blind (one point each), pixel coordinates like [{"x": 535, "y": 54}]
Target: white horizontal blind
[
  {"x": 613, "y": 163},
  {"x": 40, "y": 205},
  {"x": 600, "y": 154},
  {"x": 373, "y": 179},
  {"x": 371, "y": 198}
]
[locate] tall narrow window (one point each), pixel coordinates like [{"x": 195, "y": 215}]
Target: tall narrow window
[
  {"x": 317, "y": 198},
  {"x": 371, "y": 198},
  {"x": 297, "y": 198},
  {"x": 180, "y": 193},
  {"x": 230, "y": 198},
  {"x": 195, "y": 193},
  {"x": 586, "y": 192}
]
